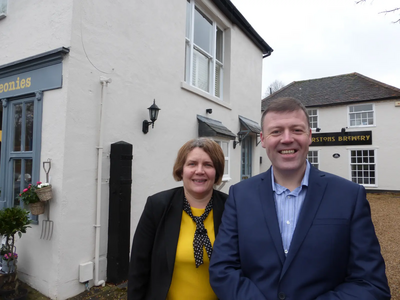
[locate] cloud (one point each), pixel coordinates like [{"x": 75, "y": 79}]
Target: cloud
[{"x": 314, "y": 38}]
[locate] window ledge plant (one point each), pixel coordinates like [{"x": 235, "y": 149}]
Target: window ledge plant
[{"x": 30, "y": 198}]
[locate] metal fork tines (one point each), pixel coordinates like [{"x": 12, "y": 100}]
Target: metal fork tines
[{"x": 47, "y": 225}]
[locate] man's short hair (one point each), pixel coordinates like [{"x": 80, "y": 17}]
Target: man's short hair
[{"x": 284, "y": 104}]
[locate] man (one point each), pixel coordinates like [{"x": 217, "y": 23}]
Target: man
[{"x": 295, "y": 232}]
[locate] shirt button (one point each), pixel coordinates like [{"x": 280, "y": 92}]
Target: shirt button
[
  {"x": 286, "y": 251},
  {"x": 288, "y": 222}
]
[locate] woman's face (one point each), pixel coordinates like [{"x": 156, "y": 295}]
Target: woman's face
[{"x": 198, "y": 174}]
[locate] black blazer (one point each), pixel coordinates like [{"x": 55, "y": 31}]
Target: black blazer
[{"x": 155, "y": 241}]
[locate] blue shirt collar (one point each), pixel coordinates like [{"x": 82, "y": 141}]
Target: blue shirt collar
[{"x": 304, "y": 181}]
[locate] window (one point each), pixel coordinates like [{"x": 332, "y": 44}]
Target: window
[
  {"x": 204, "y": 51},
  {"x": 20, "y": 149},
  {"x": 225, "y": 148},
  {"x": 363, "y": 167},
  {"x": 246, "y": 166},
  {"x": 313, "y": 118},
  {"x": 312, "y": 157},
  {"x": 361, "y": 115},
  {"x": 3, "y": 8}
]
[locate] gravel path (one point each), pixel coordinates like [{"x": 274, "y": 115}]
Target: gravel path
[{"x": 385, "y": 210}]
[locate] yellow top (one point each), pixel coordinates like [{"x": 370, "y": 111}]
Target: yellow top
[{"x": 189, "y": 282}]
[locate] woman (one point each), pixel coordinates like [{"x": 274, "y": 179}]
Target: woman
[{"x": 173, "y": 240}]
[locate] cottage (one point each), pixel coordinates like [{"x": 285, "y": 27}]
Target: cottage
[{"x": 76, "y": 81}]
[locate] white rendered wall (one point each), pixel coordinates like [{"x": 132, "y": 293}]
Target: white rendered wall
[{"x": 139, "y": 45}]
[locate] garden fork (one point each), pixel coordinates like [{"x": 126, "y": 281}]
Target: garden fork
[{"x": 47, "y": 225}]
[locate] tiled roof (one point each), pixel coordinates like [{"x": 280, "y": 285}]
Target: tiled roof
[{"x": 335, "y": 90}]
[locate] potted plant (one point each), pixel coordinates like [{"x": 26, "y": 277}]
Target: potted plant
[
  {"x": 8, "y": 261},
  {"x": 44, "y": 191},
  {"x": 13, "y": 220},
  {"x": 29, "y": 197}
]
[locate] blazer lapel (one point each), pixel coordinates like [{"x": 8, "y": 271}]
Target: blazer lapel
[
  {"x": 218, "y": 208},
  {"x": 173, "y": 218},
  {"x": 315, "y": 192},
  {"x": 266, "y": 198}
]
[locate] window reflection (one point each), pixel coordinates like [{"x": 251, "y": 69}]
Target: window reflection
[
  {"x": 29, "y": 127},
  {"x": 17, "y": 127}
]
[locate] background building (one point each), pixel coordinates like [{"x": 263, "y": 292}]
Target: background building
[{"x": 355, "y": 127}]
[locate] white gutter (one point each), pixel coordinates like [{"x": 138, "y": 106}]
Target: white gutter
[{"x": 104, "y": 82}]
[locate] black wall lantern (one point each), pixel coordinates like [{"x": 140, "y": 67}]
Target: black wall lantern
[
  {"x": 153, "y": 114},
  {"x": 241, "y": 135}
]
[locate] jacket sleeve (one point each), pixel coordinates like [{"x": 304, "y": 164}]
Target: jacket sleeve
[
  {"x": 142, "y": 247},
  {"x": 226, "y": 276},
  {"x": 366, "y": 278}
]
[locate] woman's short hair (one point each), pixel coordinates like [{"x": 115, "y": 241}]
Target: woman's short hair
[{"x": 208, "y": 146}]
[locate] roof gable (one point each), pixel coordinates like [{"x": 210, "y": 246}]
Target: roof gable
[
  {"x": 227, "y": 7},
  {"x": 336, "y": 90}
]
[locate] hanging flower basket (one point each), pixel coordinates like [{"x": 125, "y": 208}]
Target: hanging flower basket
[
  {"x": 37, "y": 208},
  {"x": 44, "y": 193}
]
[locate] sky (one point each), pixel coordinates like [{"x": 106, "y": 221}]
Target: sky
[{"x": 321, "y": 38}]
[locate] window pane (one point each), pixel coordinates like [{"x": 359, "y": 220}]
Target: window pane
[
  {"x": 17, "y": 127},
  {"x": 188, "y": 18},
  {"x": 364, "y": 107},
  {"x": 219, "y": 45},
  {"x": 28, "y": 172},
  {"x": 217, "y": 80},
  {"x": 202, "y": 31},
  {"x": 29, "y": 127},
  {"x": 200, "y": 71},
  {"x": 17, "y": 186},
  {"x": 224, "y": 146}
]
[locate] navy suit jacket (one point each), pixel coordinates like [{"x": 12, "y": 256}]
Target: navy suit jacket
[{"x": 334, "y": 252}]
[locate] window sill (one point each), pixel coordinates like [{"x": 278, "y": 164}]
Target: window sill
[
  {"x": 226, "y": 179},
  {"x": 369, "y": 185},
  {"x": 203, "y": 94},
  {"x": 361, "y": 126}
]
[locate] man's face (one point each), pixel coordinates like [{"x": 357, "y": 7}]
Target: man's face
[{"x": 286, "y": 136}]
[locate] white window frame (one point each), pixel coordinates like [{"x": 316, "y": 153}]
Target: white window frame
[
  {"x": 363, "y": 163},
  {"x": 313, "y": 116},
  {"x": 227, "y": 154},
  {"x": 311, "y": 157},
  {"x": 361, "y": 113},
  {"x": 191, "y": 48},
  {"x": 3, "y": 8}
]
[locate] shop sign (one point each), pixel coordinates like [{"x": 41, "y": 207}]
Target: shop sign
[
  {"x": 42, "y": 79},
  {"x": 342, "y": 138}
]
